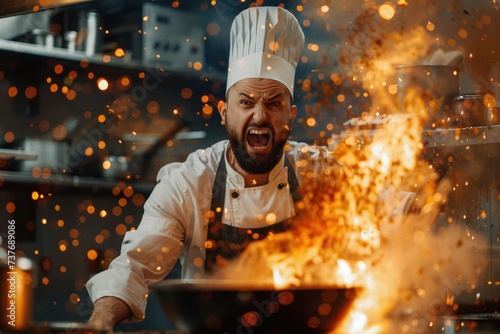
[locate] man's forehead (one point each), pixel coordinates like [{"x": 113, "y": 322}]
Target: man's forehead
[{"x": 257, "y": 88}]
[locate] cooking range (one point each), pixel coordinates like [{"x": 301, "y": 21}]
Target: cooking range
[{"x": 487, "y": 323}]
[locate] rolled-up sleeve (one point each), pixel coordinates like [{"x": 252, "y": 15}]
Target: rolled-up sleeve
[{"x": 146, "y": 258}]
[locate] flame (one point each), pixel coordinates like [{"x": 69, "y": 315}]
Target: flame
[
  {"x": 369, "y": 222},
  {"x": 351, "y": 231},
  {"x": 279, "y": 282}
]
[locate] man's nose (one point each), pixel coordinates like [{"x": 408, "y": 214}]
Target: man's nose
[{"x": 260, "y": 114}]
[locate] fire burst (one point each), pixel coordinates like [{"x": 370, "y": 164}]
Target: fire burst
[{"x": 369, "y": 223}]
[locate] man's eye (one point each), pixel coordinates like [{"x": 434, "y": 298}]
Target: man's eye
[
  {"x": 275, "y": 104},
  {"x": 245, "y": 102}
]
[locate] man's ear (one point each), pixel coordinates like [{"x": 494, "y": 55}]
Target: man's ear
[
  {"x": 222, "y": 107},
  {"x": 293, "y": 112}
]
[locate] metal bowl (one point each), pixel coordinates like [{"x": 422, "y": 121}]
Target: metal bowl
[{"x": 210, "y": 306}]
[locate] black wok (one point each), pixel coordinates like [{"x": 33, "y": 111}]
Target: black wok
[{"x": 217, "y": 306}]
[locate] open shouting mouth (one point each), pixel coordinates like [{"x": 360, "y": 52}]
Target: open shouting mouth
[{"x": 259, "y": 139}]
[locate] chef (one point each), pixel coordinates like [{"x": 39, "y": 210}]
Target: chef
[{"x": 205, "y": 210}]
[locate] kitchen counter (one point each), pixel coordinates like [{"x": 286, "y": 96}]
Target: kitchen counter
[
  {"x": 485, "y": 323},
  {"x": 481, "y": 323},
  {"x": 77, "y": 328},
  {"x": 463, "y": 324}
]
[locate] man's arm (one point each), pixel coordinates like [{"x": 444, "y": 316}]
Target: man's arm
[{"x": 108, "y": 311}]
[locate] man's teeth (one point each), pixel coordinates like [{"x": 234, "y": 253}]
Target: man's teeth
[
  {"x": 259, "y": 132},
  {"x": 258, "y": 138}
]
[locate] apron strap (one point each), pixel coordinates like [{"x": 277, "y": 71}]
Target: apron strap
[
  {"x": 219, "y": 190},
  {"x": 293, "y": 182}
]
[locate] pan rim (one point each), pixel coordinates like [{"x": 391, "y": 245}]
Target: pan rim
[{"x": 231, "y": 284}]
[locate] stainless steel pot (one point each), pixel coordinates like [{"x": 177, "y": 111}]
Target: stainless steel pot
[
  {"x": 52, "y": 155},
  {"x": 475, "y": 110},
  {"x": 211, "y": 306}
]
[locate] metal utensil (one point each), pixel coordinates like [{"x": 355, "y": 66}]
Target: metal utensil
[
  {"x": 52, "y": 154},
  {"x": 116, "y": 167},
  {"x": 474, "y": 110}
]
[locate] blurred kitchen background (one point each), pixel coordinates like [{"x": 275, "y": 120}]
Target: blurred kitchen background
[{"x": 108, "y": 91}]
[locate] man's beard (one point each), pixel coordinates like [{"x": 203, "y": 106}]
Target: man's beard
[{"x": 255, "y": 165}]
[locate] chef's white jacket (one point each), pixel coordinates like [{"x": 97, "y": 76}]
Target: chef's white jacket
[{"x": 176, "y": 215}]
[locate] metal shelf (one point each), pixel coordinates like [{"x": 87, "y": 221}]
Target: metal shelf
[
  {"x": 71, "y": 181},
  {"x": 450, "y": 137},
  {"x": 98, "y": 59},
  {"x": 462, "y": 136},
  {"x": 64, "y": 54}
]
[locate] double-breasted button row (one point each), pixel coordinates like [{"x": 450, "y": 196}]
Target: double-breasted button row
[{"x": 235, "y": 194}]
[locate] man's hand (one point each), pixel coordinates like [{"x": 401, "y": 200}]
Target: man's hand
[{"x": 108, "y": 311}]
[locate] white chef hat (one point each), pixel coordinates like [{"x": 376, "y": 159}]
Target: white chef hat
[{"x": 266, "y": 42}]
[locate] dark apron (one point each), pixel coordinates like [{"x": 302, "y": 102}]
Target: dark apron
[{"x": 229, "y": 241}]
